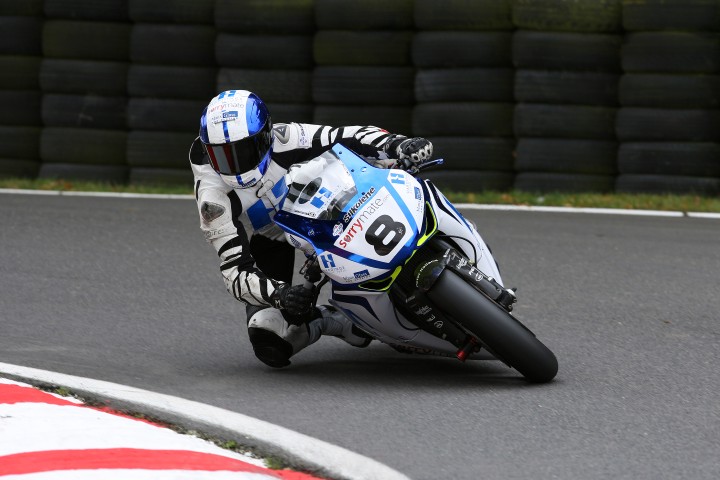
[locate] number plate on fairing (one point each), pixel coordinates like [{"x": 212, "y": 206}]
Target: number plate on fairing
[{"x": 373, "y": 232}]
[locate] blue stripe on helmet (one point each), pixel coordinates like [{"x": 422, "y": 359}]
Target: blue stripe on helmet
[
  {"x": 226, "y": 93},
  {"x": 204, "y": 137},
  {"x": 225, "y": 132}
]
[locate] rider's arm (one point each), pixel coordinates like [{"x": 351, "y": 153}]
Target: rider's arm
[
  {"x": 296, "y": 142},
  {"x": 219, "y": 208}
]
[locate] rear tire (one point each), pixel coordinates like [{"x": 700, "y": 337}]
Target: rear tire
[{"x": 503, "y": 335}]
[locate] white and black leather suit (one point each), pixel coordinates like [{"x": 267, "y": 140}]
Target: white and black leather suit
[{"x": 254, "y": 262}]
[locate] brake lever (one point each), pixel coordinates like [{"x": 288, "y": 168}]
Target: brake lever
[{"x": 422, "y": 166}]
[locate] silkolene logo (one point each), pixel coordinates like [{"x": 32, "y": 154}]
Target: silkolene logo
[
  {"x": 358, "y": 223},
  {"x": 358, "y": 204}
]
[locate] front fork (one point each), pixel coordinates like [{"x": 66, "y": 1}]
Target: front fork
[
  {"x": 427, "y": 273},
  {"x": 419, "y": 308}
]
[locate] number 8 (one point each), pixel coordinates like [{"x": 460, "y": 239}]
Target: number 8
[{"x": 380, "y": 230}]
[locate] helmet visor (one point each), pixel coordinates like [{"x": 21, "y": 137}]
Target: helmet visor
[{"x": 242, "y": 156}]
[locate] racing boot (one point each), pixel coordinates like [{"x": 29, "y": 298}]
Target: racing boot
[
  {"x": 275, "y": 340},
  {"x": 335, "y": 324}
]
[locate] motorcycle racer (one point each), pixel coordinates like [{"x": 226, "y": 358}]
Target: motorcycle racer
[{"x": 239, "y": 162}]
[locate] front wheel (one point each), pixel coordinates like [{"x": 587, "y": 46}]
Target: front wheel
[{"x": 501, "y": 333}]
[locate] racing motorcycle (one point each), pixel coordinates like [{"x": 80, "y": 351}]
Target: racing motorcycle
[{"x": 377, "y": 236}]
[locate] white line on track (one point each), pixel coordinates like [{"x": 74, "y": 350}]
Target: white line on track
[
  {"x": 604, "y": 211},
  {"x": 270, "y": 439}
]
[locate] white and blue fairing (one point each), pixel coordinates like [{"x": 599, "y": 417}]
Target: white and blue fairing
[{"x": 362, "y": 222}]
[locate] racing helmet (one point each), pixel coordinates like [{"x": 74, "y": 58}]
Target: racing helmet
[{"x": 236, "y": 132}]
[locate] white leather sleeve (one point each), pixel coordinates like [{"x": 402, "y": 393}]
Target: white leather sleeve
[{"x": 219, "y": 221}]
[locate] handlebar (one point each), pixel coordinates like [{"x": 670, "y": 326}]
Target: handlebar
[{"x": 424, "y": 165}]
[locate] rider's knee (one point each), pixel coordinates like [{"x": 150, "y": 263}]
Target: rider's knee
[
  {"x": 273, "y": 339},
  {"x": 269, "y": 348}
]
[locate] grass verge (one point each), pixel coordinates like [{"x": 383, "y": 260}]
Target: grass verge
[{"x": 680, "y": 203}]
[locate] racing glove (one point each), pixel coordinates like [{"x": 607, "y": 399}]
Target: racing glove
[
  {"x": 409, "y": 151},
  {"x": 294, "y": 299}
]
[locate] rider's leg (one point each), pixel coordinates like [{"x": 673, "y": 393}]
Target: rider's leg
[{"x": 275, "y": 339}]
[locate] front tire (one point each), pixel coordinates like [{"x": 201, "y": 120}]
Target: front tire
[{"x": 502, "y": 334}]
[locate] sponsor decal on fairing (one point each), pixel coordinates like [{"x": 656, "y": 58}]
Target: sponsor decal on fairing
[
  {"x": 357, "y": 224},
  {"x": 365, "y": 197}
]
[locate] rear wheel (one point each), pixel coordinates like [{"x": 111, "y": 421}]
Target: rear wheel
[{"x": 496, "y": 329}]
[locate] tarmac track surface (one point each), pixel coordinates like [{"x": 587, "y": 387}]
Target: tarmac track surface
[{"x": 126, "y": 290}]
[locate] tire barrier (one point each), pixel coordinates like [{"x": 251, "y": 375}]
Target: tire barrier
[
  {"x": 83, "y": 77},
  {"x": 365, "y": 15},
  {"x": 463, "y": 90},
  {"x": 345, "y": 47},
  {"x": 669, "y": 121},
  {"x": 267, "y": 16},
  {"x": 463, "y": 15},
  {"x": 171, "y": 79},
  {"x": 159, "y": 157},
  {"x": 587, "y": 16},
  {"x": 537, "y": 95},
  {"x": 396, "y": 119},
  {"x": 291, "y": 52},
  {"x": 566, "y": 77},
  {"x": 680, "y": 15},
  {"x": 69, "y": 39},
  {"x": 172, "y": 11},
  {"x": 20, "y": 96},
  {"x": 99, "y": 10},
  {"x": 84, "y": 154},
  {"x": 84, "y": 111},
  {"x": 266, "y": 47},
  {"x": 363, "y": 73}
]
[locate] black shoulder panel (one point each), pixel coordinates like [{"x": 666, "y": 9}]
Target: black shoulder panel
[{"x": 197, "y": 153}]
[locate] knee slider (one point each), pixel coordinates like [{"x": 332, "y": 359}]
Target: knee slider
[
  {"x": 273, "y": 339},
  {"x": 269, "y": 348}
]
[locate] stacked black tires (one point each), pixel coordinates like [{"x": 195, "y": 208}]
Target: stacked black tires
[
  {"x": 170, "y": 81},
  {"x": 536, "y": 95},
  {"x": 669, "y": 123},
  {"x": 362, "y": 73},
  {"x": 463, "y": 90},
  {"x": 83, "y": 77},
  {"x": 266, "y": 47},
  {"x": 567, "y": 70},
  {"x": 20, "y": 96}
]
